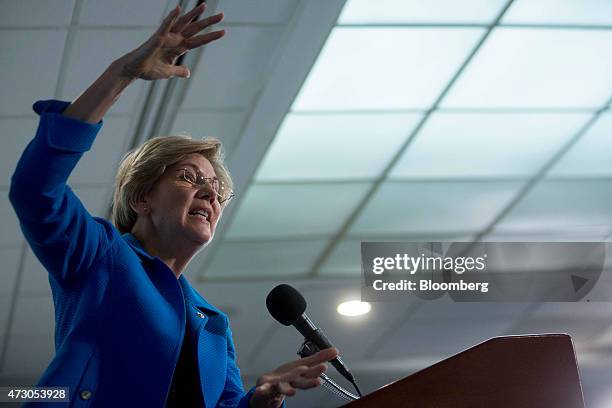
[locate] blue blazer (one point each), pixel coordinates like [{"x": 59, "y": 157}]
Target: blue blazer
[{"x": 120, "y": 313}]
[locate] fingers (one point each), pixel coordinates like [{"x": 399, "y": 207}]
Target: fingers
[
  {"x": 287, "y": 384},
  {"x": 197, "y": 26},
  {"x": 180, "y": 24},
  {"x": 304, "y": 377},
  {"x": 180, "y": 71},
  {"x": 320, "y": 357},
  {"x": 284, "y": 382},
  {"x": 200, "y": 40},
  {"x": 165, "y": 26},
  {"x": 275, "y": 390},
  {"x": 317, "y": 358}
]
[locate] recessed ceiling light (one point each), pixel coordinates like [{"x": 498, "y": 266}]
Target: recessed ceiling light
[{"x": 353, "y": 308}]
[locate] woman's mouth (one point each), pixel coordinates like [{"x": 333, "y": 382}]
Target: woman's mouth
[{"x": 200, "y": 214}]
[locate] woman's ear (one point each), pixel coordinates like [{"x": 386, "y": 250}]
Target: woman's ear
[{"x": 140, "y": 205}]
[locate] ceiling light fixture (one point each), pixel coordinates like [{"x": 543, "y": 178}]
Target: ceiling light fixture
[{"x": 353, "y": 308}]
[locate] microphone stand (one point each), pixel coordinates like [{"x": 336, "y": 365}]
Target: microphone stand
[{"x": 307, "y": 349}]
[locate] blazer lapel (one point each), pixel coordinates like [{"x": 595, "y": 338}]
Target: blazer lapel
[{"x": 210, "y": 328}]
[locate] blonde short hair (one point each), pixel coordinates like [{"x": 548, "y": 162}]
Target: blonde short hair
[{"x": 142, "y": 167}]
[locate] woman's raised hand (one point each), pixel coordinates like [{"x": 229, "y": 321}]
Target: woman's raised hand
[
  {"x": 287, "y": 379},
  {"x": 176, "y": 35}
]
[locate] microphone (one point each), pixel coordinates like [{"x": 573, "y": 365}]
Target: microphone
[{"x": 288, "y": 306}]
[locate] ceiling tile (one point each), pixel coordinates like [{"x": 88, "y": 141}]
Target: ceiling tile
[
  {"x": 587, "y": 12},
  {"x": 419, "y": 11},
  {"x": 513, "y": 69},
  {"x": 262, "y": 12},
  {"x": 225, "y": 126},
  {"x": 28, "y": 354},
  {"x": 574, "y": 310},
  {"x": 34, "y": 315},
  {"x": 445, "y": 327},
  {"x": 581, "y": 235},
  {"x": 122, "y": 13},
  {"x": 440, "y": 207},
  {"x": 23, "y": 54},
  {"x": 35, "y": 278},
  {"x": 10, "y": 233},
  {"x": 232, "y": 71},
  {"x": 99, "y": 165},
  {"x": 383, "y": 62},
  {"x": 590, "y": 156},
  {"x": 295, "y": 210},
  {"x": 487, "y": 144},
  {"x": 603, "y": 339},
  {"x": 95, "y": 199},
  {"x": 441, "y": 309},
  {"x": 335, "y": 146},
  {"x": 16, "y": 134},
  {"x": 264, "y": 259},
  {"x": 5, "y": 307},
  {"x": 93, "y": 51},
  {"x": 32, "y": 13},
  {"x": 581, "y": 330},
  {"x": 569, "y": 206},
  {"x": 345, "y": 260},
  {"x": 10, "y": 257},
  {"x": 427, "y": 338}
]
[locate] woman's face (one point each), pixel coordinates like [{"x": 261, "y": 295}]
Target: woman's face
[{"x": 183, "y": 211}]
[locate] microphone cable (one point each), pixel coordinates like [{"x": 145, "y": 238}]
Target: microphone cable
[{"x": 307, "y": 349}]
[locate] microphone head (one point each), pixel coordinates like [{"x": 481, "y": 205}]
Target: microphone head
[{"x": 285, "y": 304}]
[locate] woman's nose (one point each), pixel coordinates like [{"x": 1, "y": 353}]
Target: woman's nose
[{"x": 206, "y": 192}]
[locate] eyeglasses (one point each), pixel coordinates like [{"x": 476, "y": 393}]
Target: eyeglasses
[{"x": 198, "y": 180}]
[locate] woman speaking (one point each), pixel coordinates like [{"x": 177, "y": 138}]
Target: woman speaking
[{"x": 130, "y": 331}]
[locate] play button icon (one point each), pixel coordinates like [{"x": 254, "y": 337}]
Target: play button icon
[{"x": 578, "y": 282}]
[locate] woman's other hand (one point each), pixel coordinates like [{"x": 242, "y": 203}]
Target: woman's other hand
[
  {"x": 176, "y": 35},
  {"x": 287, "y": 379}
]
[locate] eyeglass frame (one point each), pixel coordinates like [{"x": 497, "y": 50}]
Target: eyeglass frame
[{"x": 206, "y": 180}]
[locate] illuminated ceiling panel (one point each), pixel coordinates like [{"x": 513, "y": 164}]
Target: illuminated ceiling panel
[
  {"x": 573, "y": 206},
  {"x": 537, "y": 68},
  {"x": 433, "y": 207},
  {"x": 419, "y": 11},
  {"x": 587, "y": 12},
  {"x": 592, "y": 154},
  {"x": 287, "y": 210},
  {"x": 384, "y": 68},
  {"x": 335, "y": 146},
  {"x": 455, "y": 145}
]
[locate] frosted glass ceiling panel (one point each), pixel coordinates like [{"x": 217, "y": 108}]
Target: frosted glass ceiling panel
[
  {"x": 537, "y": 68},
  {"x": 579, "y": 235},
  {"x": 295, "y": 210},
  {"x": 264, "y": 259},
  {"x": 335, "y": 146},
  {"x": 419, "y": 11},
  {"x": 345, "y": 260},
  {"x": 591, "y": 156},
  {"x": 384, "y": 68},
  {"x": 487, "y": 145},
  {"x": 573, "y": 206},
  {"x": 593, "y": 12},
  {"x": 417, "y": 207}
]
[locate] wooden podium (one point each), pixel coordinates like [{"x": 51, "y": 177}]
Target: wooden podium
[{"x": 536, "y": 371}]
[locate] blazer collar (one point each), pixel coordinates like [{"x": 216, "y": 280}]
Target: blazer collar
[{"x": 191, "y": 295}]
